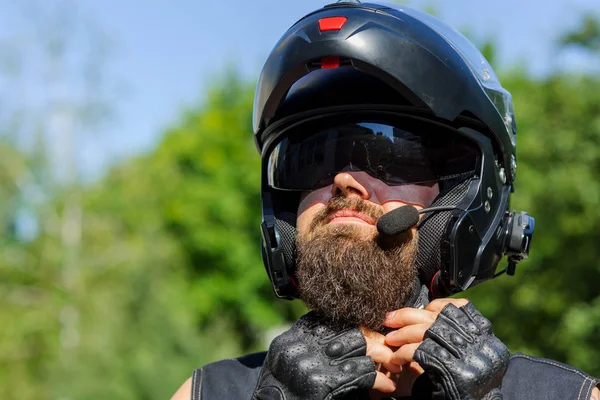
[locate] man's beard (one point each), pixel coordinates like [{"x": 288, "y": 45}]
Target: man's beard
[{"x": 351, "y": 277}]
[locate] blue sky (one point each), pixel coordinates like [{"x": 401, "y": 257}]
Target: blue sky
[{"x": 164, "y": 54}]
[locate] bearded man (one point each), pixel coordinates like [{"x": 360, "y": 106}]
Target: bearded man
[{"x": 389, "y": 156}]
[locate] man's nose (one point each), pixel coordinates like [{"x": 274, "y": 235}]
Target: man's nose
[{"x": 344, "y": 184}]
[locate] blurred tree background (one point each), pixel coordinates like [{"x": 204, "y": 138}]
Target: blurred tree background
[{"x": 118, "y": 288}]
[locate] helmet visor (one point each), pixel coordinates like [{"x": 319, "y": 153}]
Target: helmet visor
[{"x": 305, "y": 161}]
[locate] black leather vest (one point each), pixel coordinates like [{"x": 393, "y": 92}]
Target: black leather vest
[{"x": 527, "y": 378}]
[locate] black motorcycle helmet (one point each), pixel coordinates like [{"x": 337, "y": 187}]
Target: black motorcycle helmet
[{"x": 342, "y": 76}]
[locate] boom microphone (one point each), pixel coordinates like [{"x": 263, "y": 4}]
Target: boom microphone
[
  {"x": 403, "y": 218},
  {"x": 398, "y": 220}
]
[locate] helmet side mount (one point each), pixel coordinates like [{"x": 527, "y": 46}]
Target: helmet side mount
[{"x": 519, "y": 233}]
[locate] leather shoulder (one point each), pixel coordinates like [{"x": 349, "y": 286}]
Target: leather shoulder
[
  {"x": 228, "y": 379},
  {"x": 533, "y": 378}
]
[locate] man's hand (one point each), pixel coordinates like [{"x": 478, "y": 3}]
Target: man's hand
[
  {"x": 454, "y": 345},
  {"x": 391, "y": 378},
  {"x": 412, "y": 324},
  {"x": 316, "y": 359}
]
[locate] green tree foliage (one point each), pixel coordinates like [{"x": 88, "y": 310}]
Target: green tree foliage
[{"x": 170, "y": 275}]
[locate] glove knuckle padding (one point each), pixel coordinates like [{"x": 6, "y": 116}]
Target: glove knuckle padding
[
  {"x": 316, "y": 359},
  {"x": 364, "y": 382},
  {"x": 462, "y": 357},
  {"x": 335, "y": 349},
  {"x": 349, "y": 343},
  {"x": 482, "y": 322},
  {"x": 497, "y": 352}
]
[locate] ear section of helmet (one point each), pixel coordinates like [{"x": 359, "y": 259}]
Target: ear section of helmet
[
  {"x": 279, "y": 243},
  {"x": 278, "y": 251},
  {"x": 459, "y": 247},
  {"x": 435, "y": 247},
  {"x": 481, "y": 231}
]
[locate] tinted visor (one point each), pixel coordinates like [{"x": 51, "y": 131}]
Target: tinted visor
[{"x": 307, "y": 159}]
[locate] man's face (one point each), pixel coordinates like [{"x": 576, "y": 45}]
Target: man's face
[{"x": 346, "y": 270}]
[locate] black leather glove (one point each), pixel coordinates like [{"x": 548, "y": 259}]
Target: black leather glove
[
  {"x": 462, "y": 357},
  {"x": 315, "y": 359}
]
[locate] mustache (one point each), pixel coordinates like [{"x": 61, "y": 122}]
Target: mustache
[{"x": 340, "y": 203}]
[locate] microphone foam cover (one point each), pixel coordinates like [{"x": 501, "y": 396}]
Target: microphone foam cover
[{"x": 398, "y": 221}]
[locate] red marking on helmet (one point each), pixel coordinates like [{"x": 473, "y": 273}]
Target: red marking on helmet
[
  {"x": 332, "y": 23},
  {"x": 330, "y": 62}
]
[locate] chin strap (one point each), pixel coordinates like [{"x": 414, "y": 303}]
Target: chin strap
[{"x": 420, "y": 297}]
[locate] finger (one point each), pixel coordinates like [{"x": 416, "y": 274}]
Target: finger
[
  {"x": 378, "y": 351},
  {"x": 409, "y": 316},
  {"x": 416, "y": 368},
  {"x": 376, "y": 348},
  {"x": 438, "y": 304},
  {"x": 383, "y": 355},
  {"x": 384, "y": 384},
  {"x": 380, "y": 354},
  {"x": 406, "y": 335},
  {"x": 405, "y": 354},
  {"x": 372, "y": 338}
]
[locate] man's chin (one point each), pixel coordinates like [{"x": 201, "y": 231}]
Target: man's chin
[{"x": 346, "y": 275}]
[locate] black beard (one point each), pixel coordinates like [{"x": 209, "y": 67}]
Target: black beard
[{"x": 350, "y": 278}]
